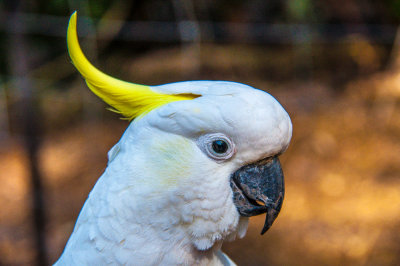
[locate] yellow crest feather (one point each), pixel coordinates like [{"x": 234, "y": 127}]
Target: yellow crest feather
[{"x": 129, "y": 99}]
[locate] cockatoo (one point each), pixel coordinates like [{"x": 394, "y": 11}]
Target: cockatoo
[{"x": 197, "y": 160}]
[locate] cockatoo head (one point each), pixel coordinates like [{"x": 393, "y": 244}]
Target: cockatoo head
[{"x": 199, "y": 157}]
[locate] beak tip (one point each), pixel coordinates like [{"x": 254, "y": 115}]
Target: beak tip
[
  {"x": 272, "y": 213},
  {"x": 265, "y": 229},
  {"x": 266, "y": 226}
]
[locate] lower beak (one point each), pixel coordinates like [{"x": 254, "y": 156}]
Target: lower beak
[{"x": 259, "y": 188}]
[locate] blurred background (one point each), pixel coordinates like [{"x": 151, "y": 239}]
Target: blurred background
[{"x": 334, "y": 66}]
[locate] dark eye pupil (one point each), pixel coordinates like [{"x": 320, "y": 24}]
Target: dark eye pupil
[{"x": 219, "y": 146}]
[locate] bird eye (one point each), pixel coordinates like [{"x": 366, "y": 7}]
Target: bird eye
[{"x": 217, "y": 146}]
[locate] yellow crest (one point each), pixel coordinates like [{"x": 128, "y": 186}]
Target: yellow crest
[{"x": 129, "y": 99}]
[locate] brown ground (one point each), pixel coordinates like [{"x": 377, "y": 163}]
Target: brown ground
[{"x": 342, "y": 204}]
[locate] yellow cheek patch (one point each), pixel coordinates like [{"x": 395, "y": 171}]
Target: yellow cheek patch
[
  {"x": 173, "y": 159},
  {"x": 129, "y": 99}
]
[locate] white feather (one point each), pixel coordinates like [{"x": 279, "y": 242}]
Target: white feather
[{"x": 162, "y": 200}]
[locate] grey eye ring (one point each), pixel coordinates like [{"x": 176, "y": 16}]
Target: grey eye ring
[{"x": 217, "y": 146}]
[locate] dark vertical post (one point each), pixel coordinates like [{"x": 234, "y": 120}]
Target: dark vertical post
[{"x": 29, "y": 123}]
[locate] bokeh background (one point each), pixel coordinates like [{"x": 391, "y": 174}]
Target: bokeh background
[{"x": 334, "y": 66}]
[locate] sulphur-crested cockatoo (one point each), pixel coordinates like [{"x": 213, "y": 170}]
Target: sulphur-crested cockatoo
[{"x": 198, "y": 159}]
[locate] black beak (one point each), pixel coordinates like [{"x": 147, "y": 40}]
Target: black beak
[{"x": 259, "y": 188}]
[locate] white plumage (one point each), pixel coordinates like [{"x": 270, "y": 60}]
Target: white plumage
[
  {"x": 162, "y": 200},
  {"x": 184, "y": 175}
]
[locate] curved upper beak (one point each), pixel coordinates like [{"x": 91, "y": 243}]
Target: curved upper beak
[{"x": 259, "y": 188}]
